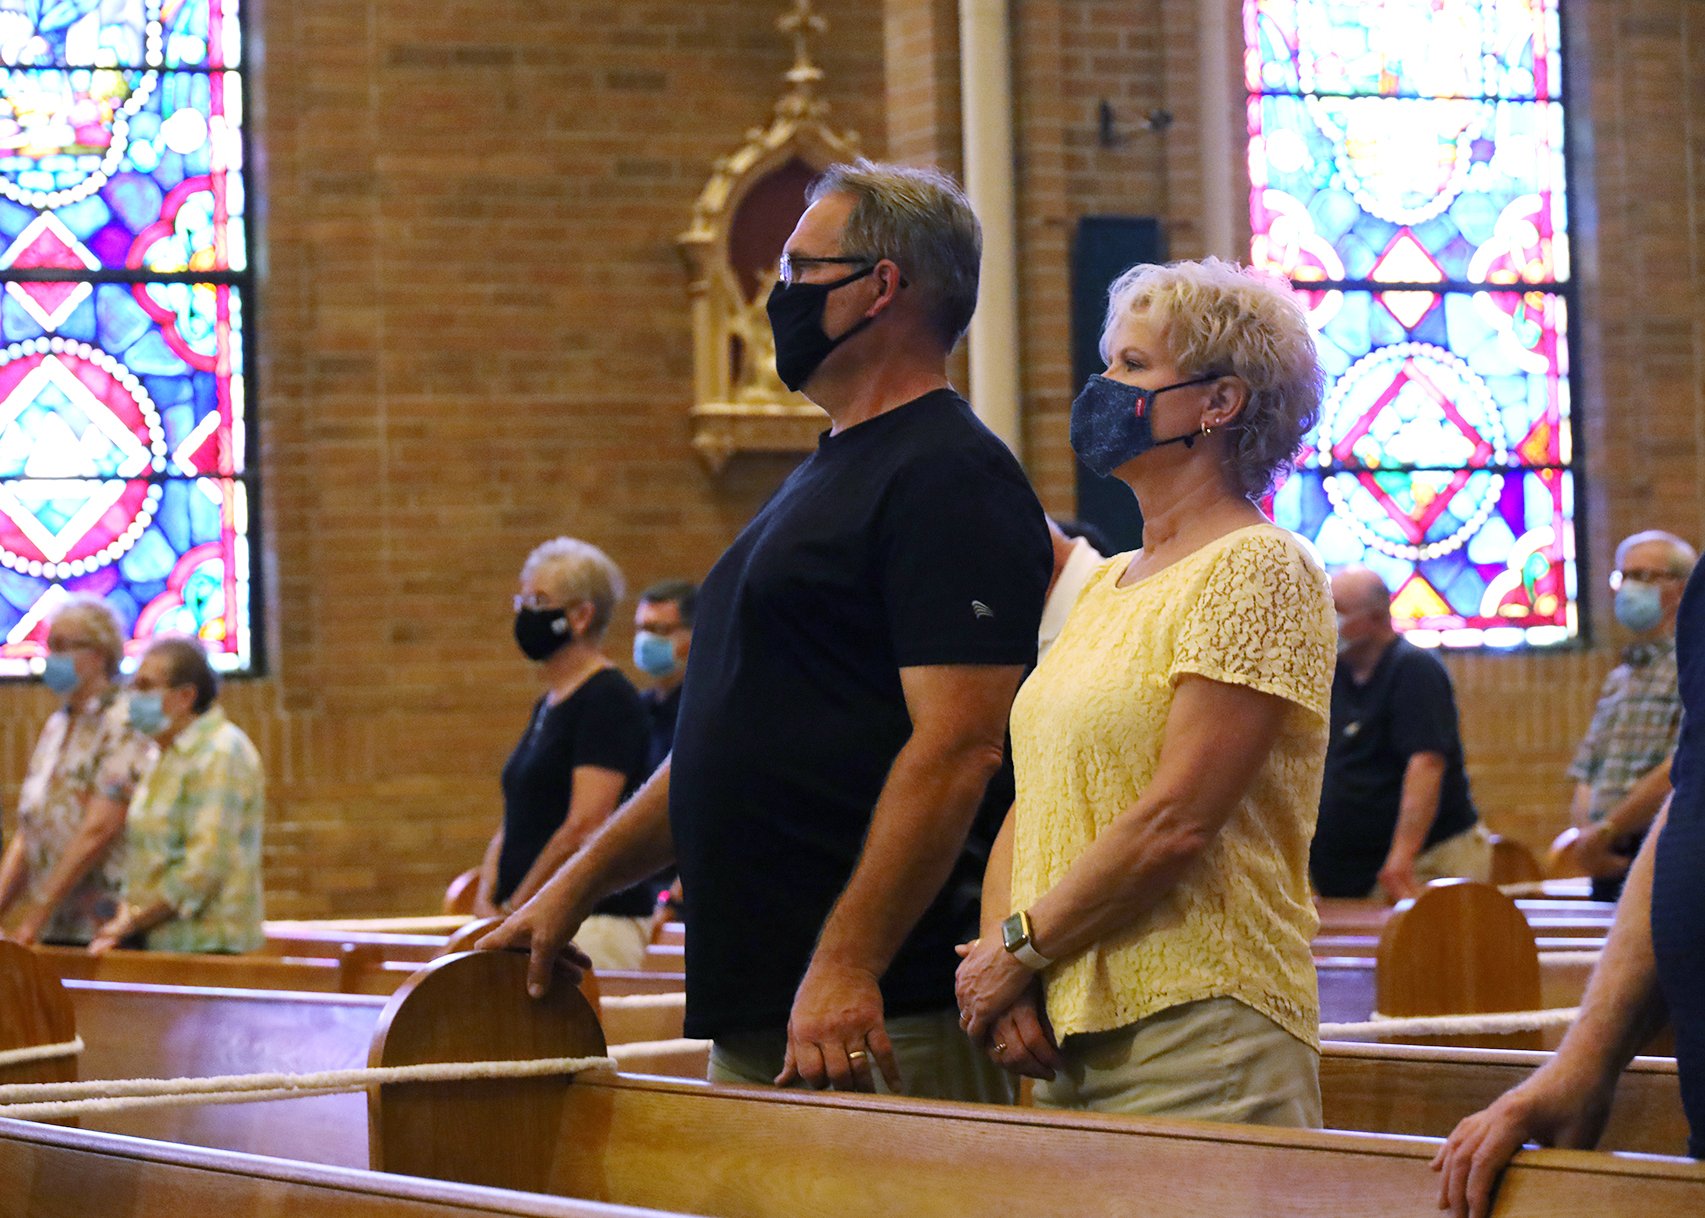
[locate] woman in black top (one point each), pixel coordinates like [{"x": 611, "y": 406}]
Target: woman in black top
[{"x": 582, "y": 753}]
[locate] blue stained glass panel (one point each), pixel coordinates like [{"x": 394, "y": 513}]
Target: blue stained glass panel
[
  {"x": 1496, "y": 565},
  {"x": 1414, "y": 191},
  {"x": 123, "y": 260},
  {"x": 1407, "y": 48},
  {"x": 1420, "y": 143},
  {"x": 154, "y": 182},
  {"x": 184, "y": 565},
  {"x": 120, "y": 33}
]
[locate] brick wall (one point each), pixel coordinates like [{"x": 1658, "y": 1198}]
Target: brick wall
[{"x": 475, "y": 336}]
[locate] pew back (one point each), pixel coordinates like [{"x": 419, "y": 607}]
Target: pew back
[
  {"x": 34, "y": 1010},
  {"x": 56, "y": 1173},
  {"x": 744, "y": 1153}
]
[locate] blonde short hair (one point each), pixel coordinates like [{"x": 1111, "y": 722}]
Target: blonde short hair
[
  {"x": 1221, "y": 318},
  {"x": 97, "y": 620},
  {"x": 577, "y": 571}
]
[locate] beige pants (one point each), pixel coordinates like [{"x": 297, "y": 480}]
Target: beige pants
[
  {"x": 1214, "y": 1060},
  {"x": 937, "y": 1060},
  {"x": 1466, "y": 856},
  {"x": 615, "y": 943}
]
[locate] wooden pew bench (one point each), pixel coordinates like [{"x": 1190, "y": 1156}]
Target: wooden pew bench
[
  {"x": 155, "y": 1031},
  {"x": 163, "y": 1032},
  {"x": 1549, "y": 917},
  {"x": 751, "y": 1153},
  {"x": 351, "y": 973},
  {"x": 47, "y": 1172}
]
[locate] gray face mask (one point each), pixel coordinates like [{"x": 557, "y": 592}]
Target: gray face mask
[{"x": 1639, "y": 606}]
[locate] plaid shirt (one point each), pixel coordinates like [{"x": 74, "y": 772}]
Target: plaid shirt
[
  {"x": 1634, "y": 726},
  {"x": 194, "y": 840}
]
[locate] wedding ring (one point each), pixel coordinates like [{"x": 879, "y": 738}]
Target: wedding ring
[{"x": 856, "y": 1055}]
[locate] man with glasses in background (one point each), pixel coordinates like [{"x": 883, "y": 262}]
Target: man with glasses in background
[{"x": 1621, "y": 769}]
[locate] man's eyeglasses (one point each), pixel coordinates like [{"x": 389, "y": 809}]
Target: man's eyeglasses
[
  {"x": 1637, "y": 576},
  {"x": 788, "y": 269}
]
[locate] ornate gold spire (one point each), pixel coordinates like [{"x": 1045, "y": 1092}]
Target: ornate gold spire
[{"x": 802, "y": 22}]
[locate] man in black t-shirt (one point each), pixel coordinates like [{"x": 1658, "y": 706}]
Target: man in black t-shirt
[
  {"x": 1395, "y": 810},
  {"x": 855, "y": 654}
]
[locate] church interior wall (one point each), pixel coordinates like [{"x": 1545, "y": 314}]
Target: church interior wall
[{"x": 474, "y": 335}]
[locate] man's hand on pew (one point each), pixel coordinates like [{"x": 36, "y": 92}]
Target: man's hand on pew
[
  {"x": 835, "y": 1031},
  {"x": 1551, "y": 1109},
  {"x": 545, "y": 926},
  {"x": 1599, "y": 851}
]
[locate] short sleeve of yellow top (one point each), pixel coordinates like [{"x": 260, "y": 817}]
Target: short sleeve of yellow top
[{"x": 1252, "y": 608}]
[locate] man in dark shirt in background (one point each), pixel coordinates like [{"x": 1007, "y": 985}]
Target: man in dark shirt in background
[
  {"x": 662, "y": 640},
  {"x": 856, "y": 651},
  {"x": 1395, "y": 810}
]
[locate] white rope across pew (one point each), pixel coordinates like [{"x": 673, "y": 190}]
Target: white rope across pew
[
  {"x": 642, "y": 1002},
  {"x": 41, "y": 1053},
  {"x": 1491, "y": 1023},
  {"x": 56, "y": 1101}
]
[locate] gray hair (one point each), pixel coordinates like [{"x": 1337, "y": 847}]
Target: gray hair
[
  {"x": 1682, "y": 555},
  {"x": 1221, "y": 318},
  {"x": 920, "y": 219},
  {"x": 99, "y": 622},
  {"x": 577, "y": 572},
  {"x": 187, "y": 664}
]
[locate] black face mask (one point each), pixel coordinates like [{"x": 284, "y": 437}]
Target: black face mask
[
  {"x": 541, "y": 633},
  {"x": 1111, "y": 423},
  {"x": 796, "y": 321}
]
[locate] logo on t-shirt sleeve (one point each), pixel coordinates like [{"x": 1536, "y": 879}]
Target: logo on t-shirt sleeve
[{"x": 980, "y": 611}]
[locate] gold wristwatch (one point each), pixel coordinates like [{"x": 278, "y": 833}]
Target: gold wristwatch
[{"x": 1015, "y": 937}]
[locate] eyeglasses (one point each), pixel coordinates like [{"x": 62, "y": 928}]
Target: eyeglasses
[
  {"x": 1637, "y": 576},
  {"x": 787, "y": 270},
  {"x": 537, "y": 600}
]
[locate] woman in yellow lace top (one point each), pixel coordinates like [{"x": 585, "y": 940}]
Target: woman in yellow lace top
[{"x": 1151, "y": 881}]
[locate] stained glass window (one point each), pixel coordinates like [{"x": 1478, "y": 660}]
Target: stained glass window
[
  {"x": 1406, "y": 162},
  {"x": 124, "y": 264}
]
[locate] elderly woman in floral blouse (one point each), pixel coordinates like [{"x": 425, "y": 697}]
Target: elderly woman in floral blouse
[{"x": 64, "y": 866}]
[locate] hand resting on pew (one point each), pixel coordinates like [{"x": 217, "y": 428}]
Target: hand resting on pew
[{"x": 1567, "y": 1101}]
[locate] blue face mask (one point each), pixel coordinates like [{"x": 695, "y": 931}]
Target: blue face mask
[
  {"x": 1639, "y": 606},
  {"x": 60, "y": 672},
  {"x": 654, "y": 654},
  {"x": 1111, "y": 423},
  {"x": 147, "y": 714}
]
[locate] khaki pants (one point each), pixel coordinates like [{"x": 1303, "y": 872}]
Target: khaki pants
[
  {"x": 1214, "y": 1060},
  {"x": 615, "y": 943},
  {"x": 1466, "y": 856},
  {"x": 937, "y": 1060}
]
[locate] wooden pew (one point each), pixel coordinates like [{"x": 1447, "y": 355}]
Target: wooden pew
[
  {"x": 47, "y": 1172},
  {"x": 1549, "y": 917},
  {"x": 348, "y": 973},
  {"x": 312, "y": 941},
  {"x": 757, "y": 1153},
  {"x": 1426, "y": 1090},
  {"x": 34, "y": 1010},
  {"x": 163, "y": 1031},
  {"x": 153, "y": 1031}
]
